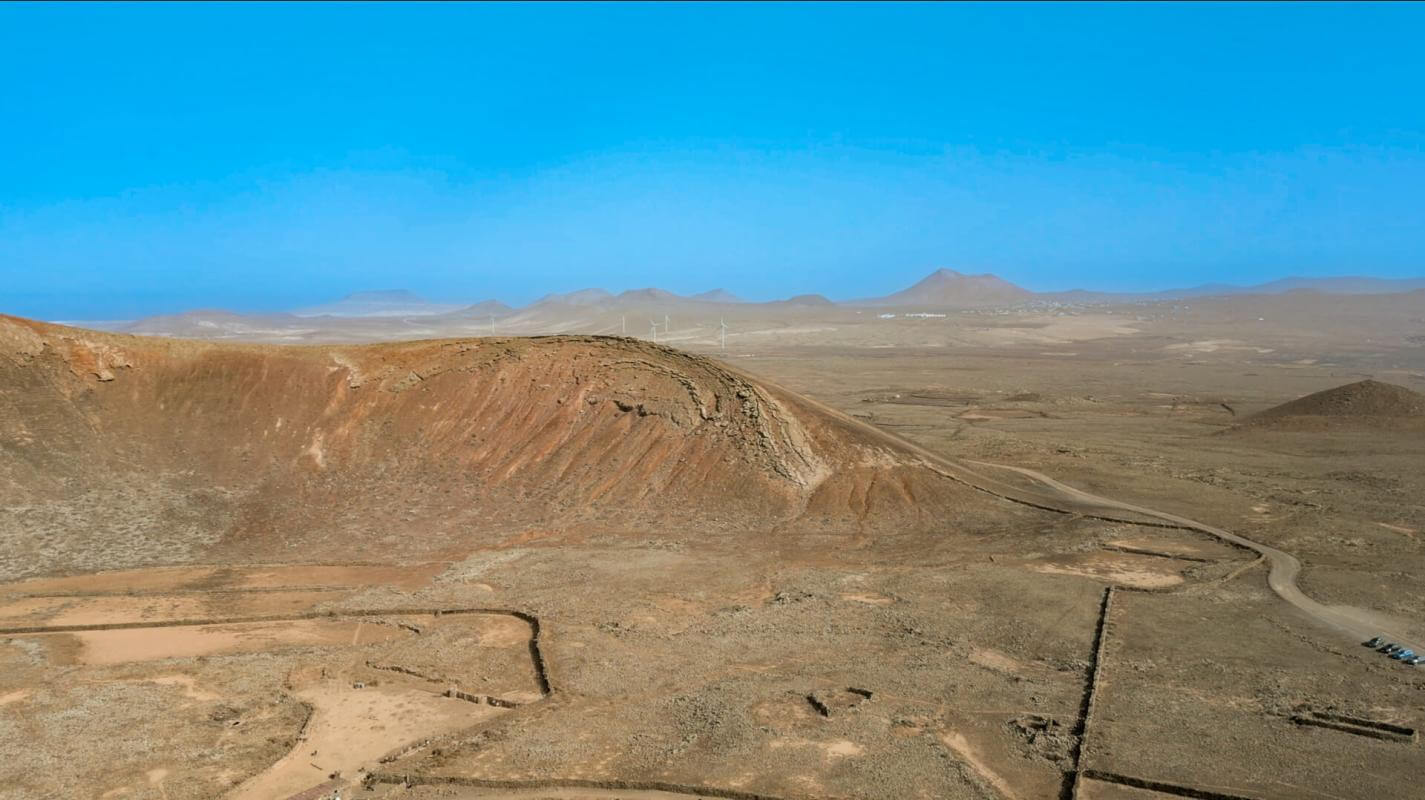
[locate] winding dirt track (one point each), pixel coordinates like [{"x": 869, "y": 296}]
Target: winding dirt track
[
  {"x": 1284, "y": 567},
  {"x": 1357, "y": 624}
]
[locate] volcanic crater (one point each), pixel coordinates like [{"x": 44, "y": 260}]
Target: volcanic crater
[{"x": 186, "y": 452}]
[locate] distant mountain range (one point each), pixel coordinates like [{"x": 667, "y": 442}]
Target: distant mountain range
[
  {"x": 592, "y": 297},
  {"x": 383, "y": 303},
  {"x": 941, "y": 289},
  {"x": 1346, "y": 284},
  {"x": 717, "y": 296},
  {"x": 480, "y": 310}
]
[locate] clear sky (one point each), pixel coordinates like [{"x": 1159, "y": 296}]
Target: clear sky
[{"x": 163, "y": 157}]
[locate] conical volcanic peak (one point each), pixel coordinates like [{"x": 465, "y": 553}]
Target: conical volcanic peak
[{"x": 946, "y": 288}]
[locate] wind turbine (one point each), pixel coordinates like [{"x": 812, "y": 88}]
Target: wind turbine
[
  {"x": 492, "y": 324},
  {"x": 623, "y": 322},
  {"x": 722, "y": 324},
  {"x": 653, "y": 330},
  {"x": 665, "y": 324}
]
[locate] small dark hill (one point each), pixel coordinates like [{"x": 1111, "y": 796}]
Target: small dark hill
[
  {"x": 807, "y": 300},
  {"x": 1367, "y": 403}
]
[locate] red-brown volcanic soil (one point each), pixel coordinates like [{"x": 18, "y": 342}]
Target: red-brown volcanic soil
[{"x": 171, "y": 451}]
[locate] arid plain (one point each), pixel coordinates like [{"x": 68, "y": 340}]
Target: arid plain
[{"x": 528, "y": 554}]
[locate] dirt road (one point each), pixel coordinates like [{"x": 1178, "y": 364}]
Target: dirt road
[
  {"x": 1284, "y": 567},
  {"x": 1352, "y": 623}
]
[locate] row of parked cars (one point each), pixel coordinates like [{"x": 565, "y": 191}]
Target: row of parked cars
[{"x": 1399, "y": 653}]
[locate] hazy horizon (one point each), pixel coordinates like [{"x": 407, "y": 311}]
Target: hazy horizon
[
  {"x": 168, "y": 158},
  {"x": 319, "y": 306}
]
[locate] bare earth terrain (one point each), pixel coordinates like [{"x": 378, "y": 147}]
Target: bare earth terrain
[{"x": 1047, "y": 552}]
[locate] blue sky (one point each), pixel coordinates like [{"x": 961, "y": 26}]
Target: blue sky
[{"x": 163, "y": 157}]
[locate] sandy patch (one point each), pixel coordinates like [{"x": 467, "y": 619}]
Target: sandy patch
[
  {"x": 869, "y": 599},
  {"x": 29, "y": 609},
  {"x": 1140, "y": 579},
  {"x": 161, "y": 579},
  {"x": 1179, "y": 547},
  {"x": 352, "y": 728},
  {"x": 1216, "y": 345},
  {"x": 841, "y": 748},
  {"x": 960, "y": 746},
  {"x": 1052, "y": 330},
  {"x": 498, "y": 630},
  {"x": 149, "y": 644},
  {"x": 158, "y": 578},
  {"x": 110, "y": 609},
  {"x": 190, "y": 687},
  {"x": 997, "y": 661},
  {"x": 14, "y": 697},
  {"x": 1396, "y": 528},
  {"x": 1126, "y": 569},
  {"x": 360, "y": 575}
]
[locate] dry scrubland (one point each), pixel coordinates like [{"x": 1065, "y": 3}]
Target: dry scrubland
[{"x": 663, "y": 577}]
